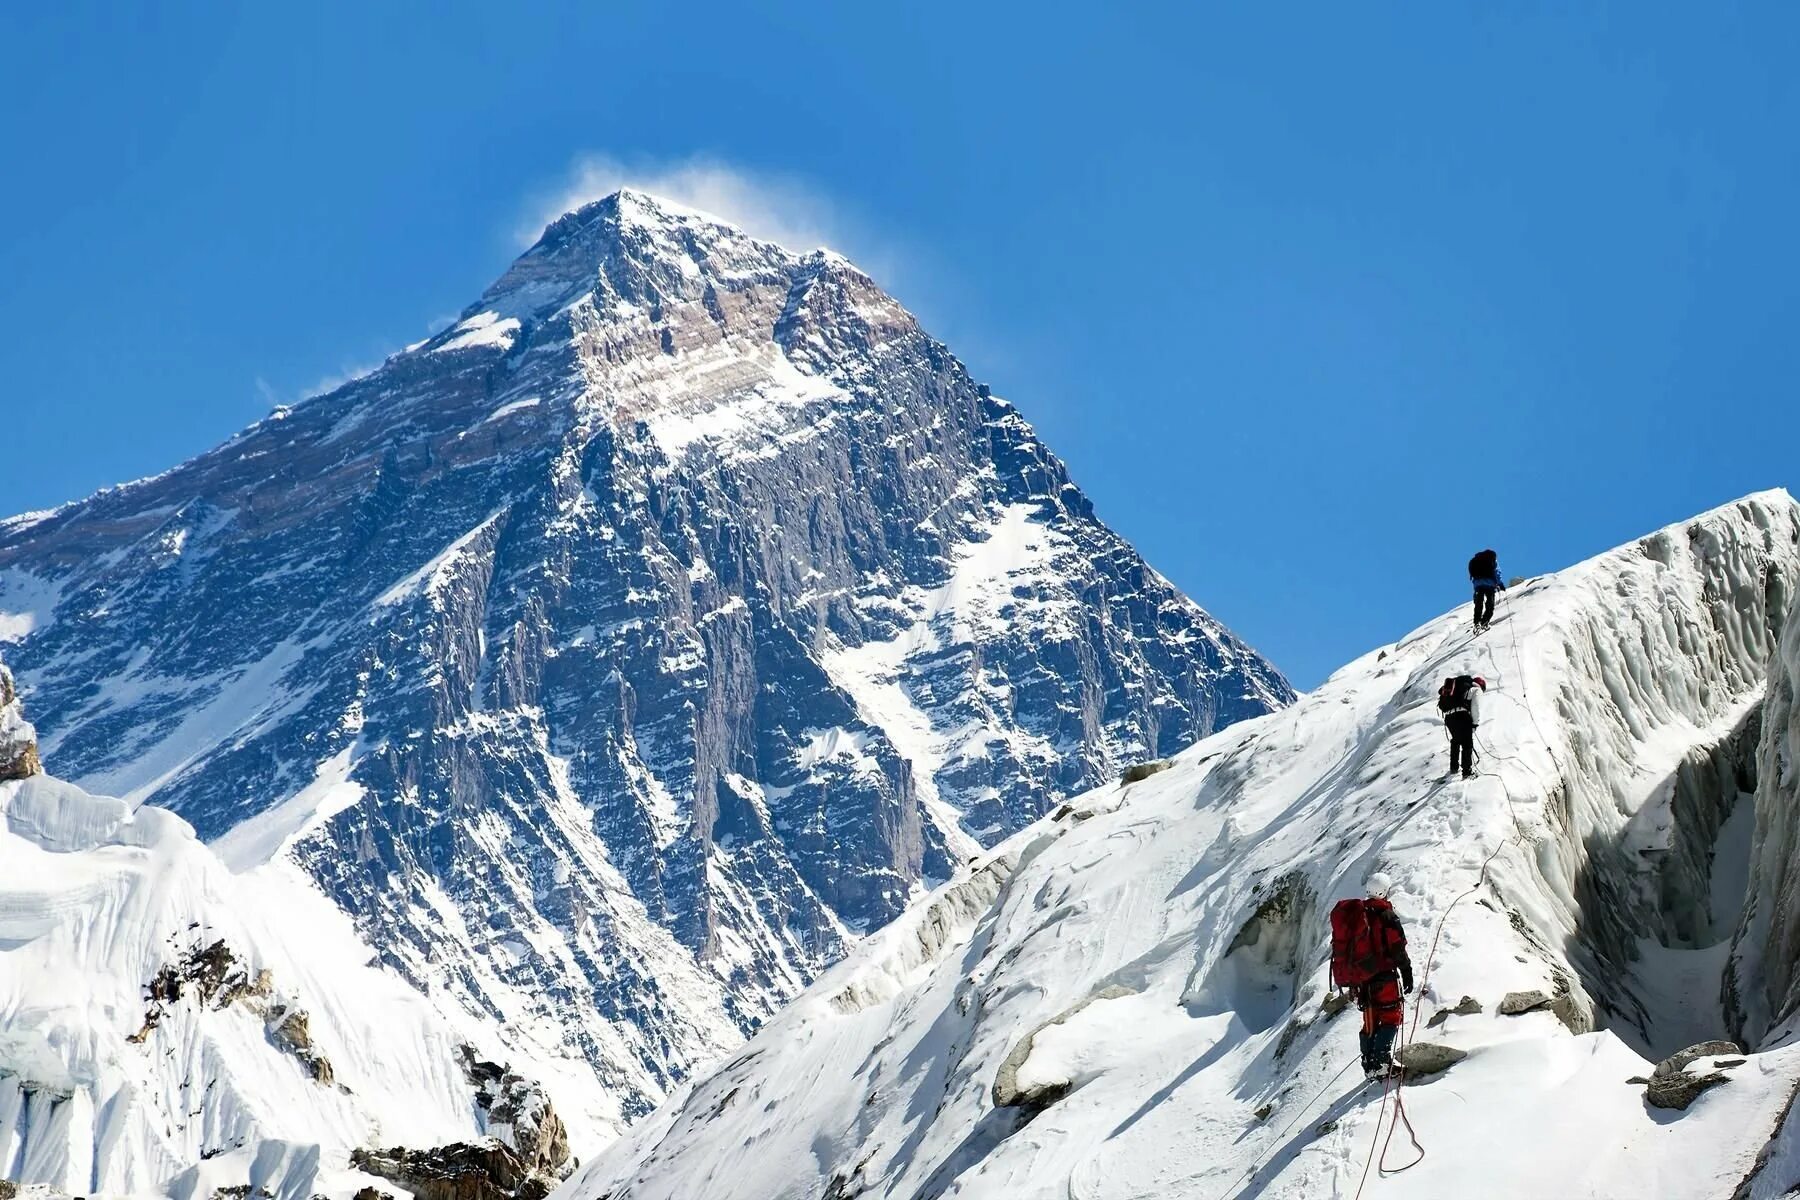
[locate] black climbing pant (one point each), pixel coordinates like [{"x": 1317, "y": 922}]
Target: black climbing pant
[
  {"x": 1462, "y": 742},
  {"x": 1377, "y": 1046},
  {"x": 1484, "y": 607}
]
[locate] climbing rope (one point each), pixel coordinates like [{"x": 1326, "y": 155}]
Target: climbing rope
[
  {"x": 1260, "y": 1161},
  {"x": 1390, "y": 1089},
  {"x": 1481, "y": 877},
  {"x": 1393, "y": 1088}
]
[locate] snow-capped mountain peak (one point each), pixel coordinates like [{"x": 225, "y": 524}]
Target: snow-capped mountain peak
[
  {"x": 632, "y": 250},
  {"x": 620, "y": 655}
]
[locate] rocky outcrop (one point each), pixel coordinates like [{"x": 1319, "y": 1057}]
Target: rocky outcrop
[
  {"x": 1468, "y": 1006},
  {"x": 213, "y": 975},
  {"x": 485, "y": 1170},
  {"x": 1516, "y": 1003},
  {"x": 1138, "y": 772},
  {"x": 18, "y": 740},
  {"x": 1676, "y": 1084},
  {"x": 518, "y": 1111},
  {"x": 1420, "y": 1059},
  {"x": 291, "y": 1030},
  {"x": 684, "y": 606}
]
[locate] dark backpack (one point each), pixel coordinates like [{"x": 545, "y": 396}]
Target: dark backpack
[
  {"x": 1362, "y": 939},
  {"x": 1485, "y": 565},
  {"x": 1454, "y": 695}
]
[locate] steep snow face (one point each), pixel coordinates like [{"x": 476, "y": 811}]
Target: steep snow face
[
  {"x": 157, "y": 1014},
  {"x": 620, "y": 654},
  {"x": 1124, "y": 999}
]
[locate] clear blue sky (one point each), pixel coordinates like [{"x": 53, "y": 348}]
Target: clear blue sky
[{"x": 1314, "y": 299}]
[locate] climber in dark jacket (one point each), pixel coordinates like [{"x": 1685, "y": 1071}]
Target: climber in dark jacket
[
  {"x": 1460, "y": 702},
  {"x": 1484, "y": 574}
]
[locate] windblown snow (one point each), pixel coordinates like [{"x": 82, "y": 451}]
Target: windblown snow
[{"x": 1124, "y": 999}]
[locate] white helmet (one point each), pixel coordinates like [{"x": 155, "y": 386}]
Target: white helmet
[{"x": 1379, "y": 886}]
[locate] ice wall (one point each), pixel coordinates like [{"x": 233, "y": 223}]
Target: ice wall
[{"x": 1763, "y": 990}]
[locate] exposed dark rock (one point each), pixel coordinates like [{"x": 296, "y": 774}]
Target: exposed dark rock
[
  {"x": 1680, "y": 1060},
  {"x": 212, "y": 975},
  {"x": 1673, "y": 1085},
  {"x": 1570, "y": 1012},
  {"x": 292, "y": 1032},
  {"x": 485, "y": 1170},
  {"x": 1142, "y": 771},
  {"x": 1468, "y": 1006},
  {"x": 518, "y": 1111},
  {"x": 1419, "y": 1059},
  {"x": 1679, "y": 1091},
  {"x": 1517, "y": 1003},
  {"x": 1292, "y": 1033}
]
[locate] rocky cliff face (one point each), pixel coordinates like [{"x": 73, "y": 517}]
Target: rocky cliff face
[{"x": 621, "y": 653}]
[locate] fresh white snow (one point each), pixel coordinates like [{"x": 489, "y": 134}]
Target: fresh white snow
[
  {"x": 27, "y": 603},
  {"x": 1177, "y": 929},
  {"x": 95, "y": 900},
  {"x": 484, "y": 329}
]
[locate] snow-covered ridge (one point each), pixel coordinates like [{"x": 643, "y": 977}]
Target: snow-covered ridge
[{"x": 1166, "y": 943}]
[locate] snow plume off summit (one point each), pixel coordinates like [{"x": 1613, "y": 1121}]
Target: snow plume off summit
[{"x": 620, "y": 655}]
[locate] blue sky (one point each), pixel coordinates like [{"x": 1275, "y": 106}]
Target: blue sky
[{"x": 1314, "y": 299}]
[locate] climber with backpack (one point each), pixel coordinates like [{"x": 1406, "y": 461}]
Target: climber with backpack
[
  {"x": 1368, "y": 958},
  {"x": 1460, "y": 702},
  {"x": 1484, "y": 574}
]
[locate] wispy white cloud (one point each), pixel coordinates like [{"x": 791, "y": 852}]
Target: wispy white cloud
[
  {"x": 770, "y": 205},
  {"x": 338, "y": 378}
]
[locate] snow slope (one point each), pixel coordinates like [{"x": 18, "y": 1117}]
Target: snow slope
[
  {"x": 1141, "y": 973},
  {"x": 149, "y": 1036}
]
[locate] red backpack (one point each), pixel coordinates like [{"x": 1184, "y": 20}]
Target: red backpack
[{"x": 1363, "y": 935}]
